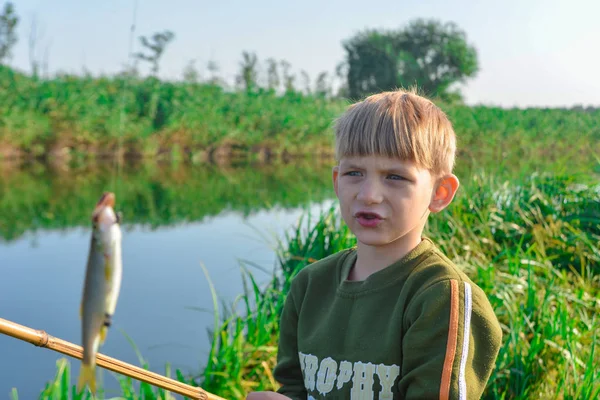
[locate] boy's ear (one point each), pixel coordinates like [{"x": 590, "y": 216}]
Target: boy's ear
[
  {"x": 444, "y": 193},
  {"x": 335, "y": 172}
]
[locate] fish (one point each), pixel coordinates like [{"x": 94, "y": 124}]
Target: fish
[{"x": 101, "y": 286}]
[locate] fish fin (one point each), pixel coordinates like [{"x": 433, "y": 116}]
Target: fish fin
[
  {"x": 105, "y": 326},
  {"x": 107, "y": 269},
  {"x": 103, "y": 332},
  {"x": 87, "y": 376}
]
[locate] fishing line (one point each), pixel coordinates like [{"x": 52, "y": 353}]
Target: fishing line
[{"x": 118, "y": 161}]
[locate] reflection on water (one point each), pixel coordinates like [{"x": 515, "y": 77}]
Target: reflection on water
[
  {"x": 40, "y": 198},
  {"x": 174, "y": 219}
]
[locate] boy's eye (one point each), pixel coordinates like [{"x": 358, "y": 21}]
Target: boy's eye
[
  {"x": 352, "y": 173},
  {"x": 396, "y": 177}
]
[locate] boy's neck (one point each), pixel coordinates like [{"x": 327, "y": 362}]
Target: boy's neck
[{"x": 371, "y": 259}]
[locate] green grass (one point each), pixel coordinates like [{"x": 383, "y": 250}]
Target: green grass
[
  {"x": 61, "y": 388},
  {"x": 533, "y": 248},
  {"x": 147, "y": 117}
]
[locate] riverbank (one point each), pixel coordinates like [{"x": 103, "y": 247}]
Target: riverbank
[
  {"x": 72, "y": 117},
  {"x": 69, "y": 119}
]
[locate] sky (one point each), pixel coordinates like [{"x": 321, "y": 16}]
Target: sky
[{"x": 532, "y": 53}]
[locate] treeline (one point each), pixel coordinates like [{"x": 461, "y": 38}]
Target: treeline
[{"x": 430, "y": 54}]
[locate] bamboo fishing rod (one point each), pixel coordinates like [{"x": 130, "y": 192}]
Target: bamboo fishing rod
[{"x": 42, "y": 339}]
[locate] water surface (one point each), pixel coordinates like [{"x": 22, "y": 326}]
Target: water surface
[{"x": 175, "y": 218}]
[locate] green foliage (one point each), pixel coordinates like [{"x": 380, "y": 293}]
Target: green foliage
[
  {"x": 547, "y": 309},
  {"x": 95, "y": 116},
  {"x": 8, "y": 26},
  {"x": 62, "y": 388},
  {"x": 248, "y": 77},
  {"x": 157, "y": 45},
  {"x": 426, "y": 53},
  {"x": 435, "y": 56},
  {"x": 92, "y": 115},
  {"x": 371, "y": 58}
]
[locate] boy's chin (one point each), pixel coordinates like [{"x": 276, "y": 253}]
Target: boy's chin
[
  {"x": 372, "y": 240},
  {"x": 381, "y": 240}
]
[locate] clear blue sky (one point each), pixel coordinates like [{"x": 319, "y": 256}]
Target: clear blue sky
[{"x": 531, "y": 52}]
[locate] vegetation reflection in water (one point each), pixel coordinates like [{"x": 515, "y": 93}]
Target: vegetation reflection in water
[{"x": 35, "y": 197}]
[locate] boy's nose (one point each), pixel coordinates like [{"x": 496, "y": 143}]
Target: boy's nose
[{"x": 370, "y": 193}]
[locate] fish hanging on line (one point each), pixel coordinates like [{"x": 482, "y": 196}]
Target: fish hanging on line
[{"x": 101, "y": 287}]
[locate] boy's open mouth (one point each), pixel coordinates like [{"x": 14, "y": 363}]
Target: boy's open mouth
[{"x": 367, "y": 215}]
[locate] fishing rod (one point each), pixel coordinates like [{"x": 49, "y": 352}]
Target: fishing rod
[{"x": 40, "y": 338}]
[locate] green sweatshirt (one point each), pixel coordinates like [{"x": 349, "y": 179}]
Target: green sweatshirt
[{"x": 418, "y": 329}]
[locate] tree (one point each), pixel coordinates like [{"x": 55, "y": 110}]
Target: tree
[
  {"x": 435, "y": 56},
  {"x": 248, "y": 71},
  {"x": 288, "y": 79},
  {"x": 321, "y": 86},
  {"x": 305, "y": 81},
  {"x": 272, "y": 74},
  {"x": 159, "y": 43},
  {"x": 341, "y": 74},
  {"x": 190, "y": 72},
  {"x": 8, "y": 27},
  {"x": 33, "y": 41},
  {"x": 38, "y": 62},
  {"x": 371, "y": 62},
  {"x": 213, "y": 67},
  {"x": 130, "y": 70},
  {"x": 427, "y": 53}
]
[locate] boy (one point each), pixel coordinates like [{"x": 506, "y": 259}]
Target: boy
[{"x": 392, "y": 318}]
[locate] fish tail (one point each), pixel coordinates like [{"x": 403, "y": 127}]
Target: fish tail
[{"x": 87, "y": 376}]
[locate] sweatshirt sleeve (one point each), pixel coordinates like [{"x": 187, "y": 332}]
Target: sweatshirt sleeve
[
  {"x": 288, "y": 371},
  {"x": 452, "y": 338}
]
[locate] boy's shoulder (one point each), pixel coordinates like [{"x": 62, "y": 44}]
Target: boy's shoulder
[
  {"x": 437, "y": 269},
  {"x": 436, "y": 266}
]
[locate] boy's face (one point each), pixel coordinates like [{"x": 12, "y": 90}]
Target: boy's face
[{"x": 385, "y": 200}]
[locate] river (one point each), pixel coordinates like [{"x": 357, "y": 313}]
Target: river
[{"x": 175, "y": 218}]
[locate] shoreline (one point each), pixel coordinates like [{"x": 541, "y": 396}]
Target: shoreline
[{"x": 226, "y": 153}]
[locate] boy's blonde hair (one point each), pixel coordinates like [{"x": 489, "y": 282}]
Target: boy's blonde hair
[{"x": 399, "y": 124}]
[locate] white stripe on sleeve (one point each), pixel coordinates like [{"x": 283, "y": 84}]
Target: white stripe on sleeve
[{"x": 462, "y": 383}]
